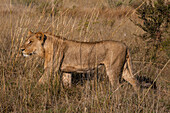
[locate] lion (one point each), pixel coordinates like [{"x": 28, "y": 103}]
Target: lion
[{"x": 68, "y": 56}]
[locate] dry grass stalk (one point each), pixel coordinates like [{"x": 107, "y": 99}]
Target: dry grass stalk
[{"x": 19, "y": 75}]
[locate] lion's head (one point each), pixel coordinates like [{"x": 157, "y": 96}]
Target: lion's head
[{"x": 34, "y": 44}]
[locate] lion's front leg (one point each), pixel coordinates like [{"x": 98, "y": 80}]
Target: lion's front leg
[
  {"x": 45, "y": 77},
  {"x": 52, "y": 66}
]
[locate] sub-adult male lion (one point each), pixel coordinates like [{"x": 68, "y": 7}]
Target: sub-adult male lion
[{"x": 72, "y": 56}]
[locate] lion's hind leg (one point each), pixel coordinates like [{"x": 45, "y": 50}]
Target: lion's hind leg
[
  {"x": 126, "y": 75},
  {"x": 113, "y": 75}
]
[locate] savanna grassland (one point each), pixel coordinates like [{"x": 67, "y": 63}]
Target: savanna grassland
[{"x": 87, "y": 21}]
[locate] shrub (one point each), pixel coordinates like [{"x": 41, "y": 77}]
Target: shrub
[{"x": 155, "y": 22}]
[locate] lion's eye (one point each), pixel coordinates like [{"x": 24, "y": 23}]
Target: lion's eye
[{"x": 30, "y": 42}]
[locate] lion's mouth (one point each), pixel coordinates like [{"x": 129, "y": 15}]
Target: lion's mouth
[{"x": 27, "y": 55}]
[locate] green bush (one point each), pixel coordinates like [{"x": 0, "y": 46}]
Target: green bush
[{"x": 155, "y": 22}]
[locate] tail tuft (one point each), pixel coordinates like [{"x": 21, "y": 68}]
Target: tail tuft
[{"x": 146, "y": 82}]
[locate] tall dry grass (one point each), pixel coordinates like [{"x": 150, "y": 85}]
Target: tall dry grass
[{"x": 19, "y": 75}]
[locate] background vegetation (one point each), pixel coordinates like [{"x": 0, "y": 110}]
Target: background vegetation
[{"x": 83, "y": 20}]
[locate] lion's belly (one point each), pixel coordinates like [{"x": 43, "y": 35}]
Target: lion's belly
[
  {"x": 77, "y": 65},
  {"x": 83, "y": 61},
  {"x": 78, "y": 68}
]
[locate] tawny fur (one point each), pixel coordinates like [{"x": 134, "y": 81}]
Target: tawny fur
[{"x": 72, "y": 56}]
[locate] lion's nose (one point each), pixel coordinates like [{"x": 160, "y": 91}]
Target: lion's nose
[{"x": 22, "y": 49}]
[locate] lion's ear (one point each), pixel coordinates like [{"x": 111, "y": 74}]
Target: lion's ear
[
  {"x": 29, "y": 33},
  {"x": 40, "y": 35}
]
